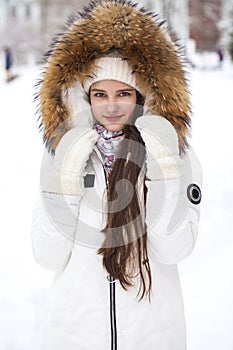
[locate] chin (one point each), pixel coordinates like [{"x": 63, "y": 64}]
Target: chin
[{"x": 114, "y": 127}]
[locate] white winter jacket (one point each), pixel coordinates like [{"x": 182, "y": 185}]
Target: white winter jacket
[{"x": 90, "y": 310}]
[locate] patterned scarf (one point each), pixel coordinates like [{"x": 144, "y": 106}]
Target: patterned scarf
[{"x": 108, "y": 145}]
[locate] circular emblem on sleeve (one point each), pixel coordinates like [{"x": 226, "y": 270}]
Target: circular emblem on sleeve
[{"x": 194, "y": 193}]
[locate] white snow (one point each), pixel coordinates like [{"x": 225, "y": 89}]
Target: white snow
[{"x": 206, "y": 275}]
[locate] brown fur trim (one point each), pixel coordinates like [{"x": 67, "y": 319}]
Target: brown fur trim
[{"x": 140, "y": 39}]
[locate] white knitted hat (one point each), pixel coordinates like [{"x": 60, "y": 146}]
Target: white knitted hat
[{"x": 111, "y": 68}]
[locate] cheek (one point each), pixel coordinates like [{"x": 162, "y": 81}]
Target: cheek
[
  {"x": 97, "y": 109},
  {"x": 131, "y": 105},
  {"x": 129, "y": 109}
]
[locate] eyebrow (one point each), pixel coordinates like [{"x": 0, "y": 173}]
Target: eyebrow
[{"x": 127, "y": 89}]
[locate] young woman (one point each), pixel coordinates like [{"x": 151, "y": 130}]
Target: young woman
[{"x": 120, "y": 188}]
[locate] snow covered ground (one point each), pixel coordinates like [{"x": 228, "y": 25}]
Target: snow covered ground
[{"x": 206, "y": 276}]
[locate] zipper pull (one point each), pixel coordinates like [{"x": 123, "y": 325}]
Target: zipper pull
[{"x": 111, "y": 279}]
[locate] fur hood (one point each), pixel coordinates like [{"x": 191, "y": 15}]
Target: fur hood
[{"x": 138, "y": 36}]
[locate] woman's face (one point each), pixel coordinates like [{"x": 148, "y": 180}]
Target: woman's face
[{"x": 113, "y": 103}]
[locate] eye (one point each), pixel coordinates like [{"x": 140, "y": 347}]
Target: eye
[
  {"x": 99, "y": 94},
  {"x": 124, "y": 93}
]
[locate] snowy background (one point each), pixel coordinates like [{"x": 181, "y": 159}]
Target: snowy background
[{"x": 206, "y": 276}]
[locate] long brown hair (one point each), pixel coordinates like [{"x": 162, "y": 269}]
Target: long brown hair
[{"x": 124, "y": 249}]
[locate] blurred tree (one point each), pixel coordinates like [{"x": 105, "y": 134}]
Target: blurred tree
[
  {"x": 53, "y": 15},
  {"x": 226, "y": 25},
  {"x": 149, "y": 5},
  {"x": 28, "y": 25},
  {"x": 175, "y": 13},
  {"x": 230, "y": 46},
  {"x": 205, "y": 16}
]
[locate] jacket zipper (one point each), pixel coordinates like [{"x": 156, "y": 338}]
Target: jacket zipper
[
  {"x": 112, "y": 294},
  {"x": 106, "y": 178},
  {"x": 112, "y": 287}
]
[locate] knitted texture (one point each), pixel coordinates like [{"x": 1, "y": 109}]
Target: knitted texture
[{"x": 111, "y": 68}]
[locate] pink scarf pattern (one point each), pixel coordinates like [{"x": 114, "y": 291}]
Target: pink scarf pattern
[{"x": 108, "y": 145}]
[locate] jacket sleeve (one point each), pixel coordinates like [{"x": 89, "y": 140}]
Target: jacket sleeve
[
  {"x": 54, "y": 221},
  {"x": 172, "y": 214}
]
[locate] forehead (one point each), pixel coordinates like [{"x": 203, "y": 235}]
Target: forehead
[{"x": 110, "y": 85}]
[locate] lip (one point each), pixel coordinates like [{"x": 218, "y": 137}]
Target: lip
[{"x": 113, "y": 118}]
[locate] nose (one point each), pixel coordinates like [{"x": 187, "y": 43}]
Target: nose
[{"x": 112, "y": 106}]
